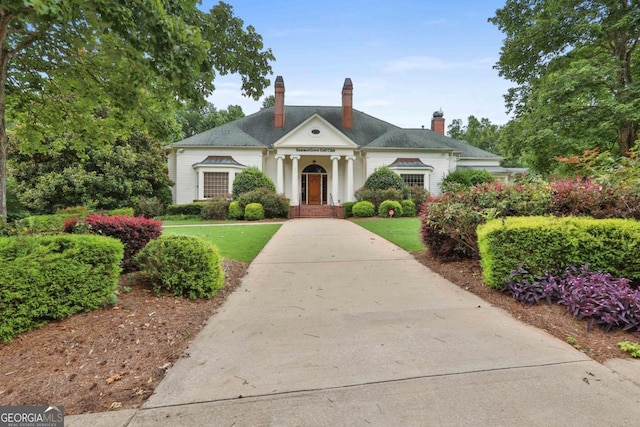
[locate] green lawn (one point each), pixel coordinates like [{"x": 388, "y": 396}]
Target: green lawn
[
  {"x": 404, "y": 232},
  {"x": 236, "y": 242},
  {"x": 194, "y": 221}
]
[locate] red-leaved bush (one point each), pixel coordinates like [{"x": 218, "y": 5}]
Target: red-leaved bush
[
  {"x": 584, "y": 197},
  {"x": 449, "y": 221},
  {"x": 133, "y": 231}
]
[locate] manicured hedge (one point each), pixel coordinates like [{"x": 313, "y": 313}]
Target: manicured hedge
[
  {"x": 185, "y": 209},
  {"x": 182, "y": 265},
  {"x": 52, "y": 277},
  {"x": 541, "y": 244}
]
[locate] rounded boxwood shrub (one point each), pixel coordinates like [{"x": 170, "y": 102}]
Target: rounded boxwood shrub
[
  {"x": 378, "y": 196},
  {"x": 383, "y": 178},
  {"x": 253, "y": 212},
  {"x": 235, "y": 210},
  {"x": 364, "y": 209},
  {"x": 348, "y": 209},
  {"x": 251, "y": 179},
  {"x": 408, "y": 208},
  {"x": 182, "y": 265},
  {"x": 387, "y": 205}
]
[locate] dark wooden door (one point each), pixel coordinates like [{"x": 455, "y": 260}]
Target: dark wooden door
[{"x": 314, "y": 192}]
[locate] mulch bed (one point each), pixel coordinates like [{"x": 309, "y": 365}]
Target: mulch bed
[{"x": 114, "y": 358}]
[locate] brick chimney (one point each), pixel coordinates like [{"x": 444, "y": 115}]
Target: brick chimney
[
  {"x": 278, "y": 116},
  {"x": 437, "y": 122},
  {"x": 347, "y": 104}
]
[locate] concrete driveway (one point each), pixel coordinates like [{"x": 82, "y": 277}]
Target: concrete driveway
[{"x": 336, "y": 326}]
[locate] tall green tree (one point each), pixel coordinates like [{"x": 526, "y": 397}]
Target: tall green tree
[
  {"x": 268, "y": 102},
  {"x": 105, "y": 176},
  {"x": 479, "y": 133},
  {"x": 201, "y": 118},
  {"x": 90, "y": 71},
  {"x": 576, "y": 68}
]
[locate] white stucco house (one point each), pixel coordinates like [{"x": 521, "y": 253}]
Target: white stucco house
[{"x": 318, "y": 155}]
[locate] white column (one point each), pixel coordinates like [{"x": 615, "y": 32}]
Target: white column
[
  {"x": 280, "y": 174},
  {"x": 295, "y": 197},
  {"x": 334, "y": 178},
  {"x": 350, "y": 159},
  {"x": 200, "y": 184}
]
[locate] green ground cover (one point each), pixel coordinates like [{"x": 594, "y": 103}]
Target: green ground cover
[
  {"x": 236, "y": 242},
  {"x": 404, "y": 232}
]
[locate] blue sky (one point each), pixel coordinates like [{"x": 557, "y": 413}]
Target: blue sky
[{"x": 406, "y": 58}]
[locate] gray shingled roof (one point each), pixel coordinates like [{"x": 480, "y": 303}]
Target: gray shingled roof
[
  {"x": 257, "y": 130},
  {"x": 220, "y": 160},
  {"x": 409, "y": 163}
]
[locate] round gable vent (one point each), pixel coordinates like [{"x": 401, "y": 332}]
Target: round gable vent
[{"x": 315, "y": 132}]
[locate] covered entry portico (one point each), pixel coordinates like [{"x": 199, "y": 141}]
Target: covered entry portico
[
  {"x": 315, "y": 164},
  {"x": 315, "y": 176}
]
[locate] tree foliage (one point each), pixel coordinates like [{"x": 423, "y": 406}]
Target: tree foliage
[
  {"x": 576, "y": 67},
  {"x": 479, "y": 133},
  {"x": 268, "y": 102},
  {"x": 99, "y": 177},
  {"x": 198, "y": 119},
  {"x": 92, "y": 71}
]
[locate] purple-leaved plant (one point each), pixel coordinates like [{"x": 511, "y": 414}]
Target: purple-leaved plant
[{"x": 606, "y": 301}]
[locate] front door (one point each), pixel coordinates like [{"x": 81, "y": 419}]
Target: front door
[{"x": 314, "y": 194}]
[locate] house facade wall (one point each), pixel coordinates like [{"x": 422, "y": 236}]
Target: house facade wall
[
  {"x": 441, "y": 162},
  {"x": 187, "y": 187},
  {"x": 187, "y": 183}
]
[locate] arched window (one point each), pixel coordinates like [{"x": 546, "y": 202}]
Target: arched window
[{"x": 313, "y": 168}]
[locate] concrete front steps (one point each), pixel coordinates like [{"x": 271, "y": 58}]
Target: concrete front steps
[{"x": 316, "y": 211}]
